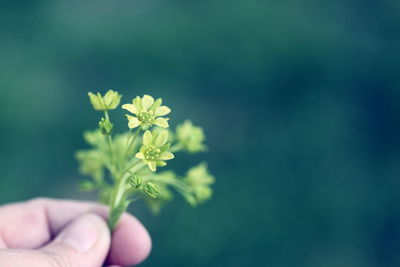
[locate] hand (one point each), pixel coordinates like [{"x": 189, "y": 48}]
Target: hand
[{"x": 61, "y": 233}]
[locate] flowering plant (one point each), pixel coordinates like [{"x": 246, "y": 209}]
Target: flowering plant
[{"x": 123, "y": 168}]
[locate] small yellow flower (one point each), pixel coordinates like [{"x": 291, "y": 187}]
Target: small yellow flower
[
  {"x": 107, "y": 102},
  {"x": 147, "y": 113},
  {"x": 154, "y": 150}
]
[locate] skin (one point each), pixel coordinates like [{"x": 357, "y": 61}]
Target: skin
[{"x": 63, "y": 233}]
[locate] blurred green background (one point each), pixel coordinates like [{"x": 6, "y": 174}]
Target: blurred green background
[{"x": 300, "y": 101}]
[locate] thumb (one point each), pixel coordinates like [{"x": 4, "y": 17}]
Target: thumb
[{"x": 82, "y": 243}]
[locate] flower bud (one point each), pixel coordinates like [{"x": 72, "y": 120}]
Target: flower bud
[
  {"x": 151, "y": 190},
  {"x": 106, "y": 126},
  {"x": 135, "y": 181}
]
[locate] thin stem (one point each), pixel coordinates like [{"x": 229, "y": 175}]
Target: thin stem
[
  {"x": 128, "y": 138},
  {"x": 178, "y": 185},
  {"x": 132, "y": 141},
  {"x": 106, "y": 114},
  {"x": 114, "y": 200},
  {"x": 168, "y": 180},
  {"x": 109, "y": 141},
  {"x": 120, "y": 190},
  {"x": 119, "y": 193},
  {"x": 110, "y": 147},
  {"x": 129, "y": 168}
]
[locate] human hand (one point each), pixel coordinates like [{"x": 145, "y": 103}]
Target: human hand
[{"x": 62, "y": 233}]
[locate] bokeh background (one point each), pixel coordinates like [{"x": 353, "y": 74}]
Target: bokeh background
[{"x": 300, "y": 101}]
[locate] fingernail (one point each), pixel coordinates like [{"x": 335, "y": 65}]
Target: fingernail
[{"x": 82, "y": 233}]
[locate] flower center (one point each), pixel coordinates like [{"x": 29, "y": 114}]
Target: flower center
[
  {"x": 145, "y": 117},
  {"x": 152, "y": 153}
]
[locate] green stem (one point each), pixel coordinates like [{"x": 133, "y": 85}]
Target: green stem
[
  {"x": 118, "y": 195},
  {"x": 109, "y": 141},
  {"x": 178, "y": 185},
  {"x": 128, "y": 138},
  {"x": 168, "y": 180},
  {"x": 130, "y": 166},
  {"x": 132, "y": 141},
  {"x": 106, "y": 115}
]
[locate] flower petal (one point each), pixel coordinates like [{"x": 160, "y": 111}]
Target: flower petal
[
  {"x": 139, "y": 155},
  {"x": 133, "y": 122},
  {"x": 108, "y": 97},
  {"x": 166, "y": 156},
  {"x": 165, "y": 147},
  {"x": 131, "y": 108},
  {"x": 137, "y": 101},
  {"x": 162, "y": 122},
  {"x": 147, "y": 138},
  {"x": 147, "y": 102},
  {"x": 116, "y": 99},
  {"x": 156, "y": 104},
  {"x": 96, "y": 101},
  {"x": 161, "y": 163},
  {"x": 161, "y": 111},
  {"x": 152, "y": 165},
  {"x": 161, "y": 139}
]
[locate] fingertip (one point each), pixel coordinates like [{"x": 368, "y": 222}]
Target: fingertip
[{"x": 131, "y": 243}]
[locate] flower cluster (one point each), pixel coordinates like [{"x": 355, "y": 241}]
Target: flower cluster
[{"x": 123, "y": 167}]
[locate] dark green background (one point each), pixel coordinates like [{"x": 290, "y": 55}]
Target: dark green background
[{"x": 299, "y": 101}]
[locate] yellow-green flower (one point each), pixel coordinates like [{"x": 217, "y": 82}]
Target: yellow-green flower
[
  {"x": 191, "y": 137},
  {"x": 147, "y": 113},
  {"x": 109, "y": 101},
  {"x": 154, "y": 150},
  {"x": 200, "y": 180}
]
